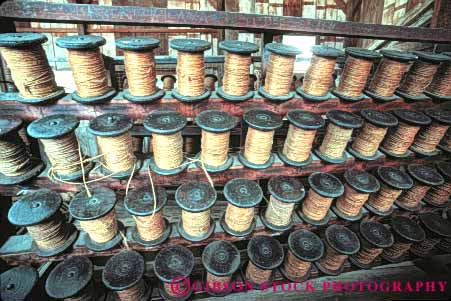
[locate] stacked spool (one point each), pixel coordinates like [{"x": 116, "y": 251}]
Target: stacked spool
[
  {"x": 438, "y": 196},
  {"x": 216, "y": 126},
  {"x": 196, "y": 200},
  {"x": 30, "y": 69},
  {"x": 114, "y": 145},
  {"x": 88, "y": 70},
  {"x": 424, "y": 177},
  {"x": 374, "y": 238},
  {"x": 72, "y": 279},
  {"x": 16, "y": 162},
  {"x": 445, "y": 144},
  {"x": 242, "y": 196},
  {"x": 259, "y": 138},
  {"x": 265, "y": 256},
  {"x": 210, "y": 82},
  {"x": 190, "y": 70},
  {"x": 398, "y": 140},
  {"x": 152, "y": 228},
  {"x": 173, "y": 266},
  {"x": 221, "y": 259},
  {"x": 124, "y": 274},
  {"x": 388, "y": 74},
  {"x": 436, "y": 229},
  {"x": 167, "y": 142},
  {"x": 359, "y": 185},
  {"x": 97, "y": 216},
  {"x": 440, "y": 88},
  {"x": 357, "y": 69},
  {"x": 393, "y": 182},
  {"x": 406, "y": 232},
  {"x": 324, "y": 188},
  {"x": 339, "y": 130},
  {"x": 168, "y": 82},
  {"x": 39, "y": 212},
  {"x": 368, "y": 139},
  {"x": 304, "y": 248},
  {"x": 420, "y": 75},
  {"x": 300, "y": 137},
  {"x": 445, "y": 243},
  {"x": 285, "y": 192},
  {"x": 19, "y": 283},
  {"x": 140, "y": 69},
  {"x": 279, "y": 72},
  {"x": 236, "y": 81},
  {"x": 340, "y": 243},
  {"x": 57, "y": 134},
  {"x": 318, "y": 79}
]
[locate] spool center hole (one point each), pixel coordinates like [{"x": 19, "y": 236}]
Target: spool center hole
[
  {"x": 37, "y": 205},
  {"x": 10, "y": 286}
]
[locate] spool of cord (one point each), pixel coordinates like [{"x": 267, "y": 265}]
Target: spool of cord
[
  {"x": 190, "y": 69},
  {"x": 152, "y": 228},
  {"x": 338, "y": 133},
  {"x": 72, "y": 280},
  {"x": 324, "y": 187},
  {"x": 279, "y": 72},
  {"x": 173, "y": 266},
  {"x": 16, "y": 162},
  {"x": 318, "y": 79},
  {"x": 168, "y": 82},
  {"x": 285, "y": 192},
  {"x": 340, "y": 243},
  {"x": 259, "y": 138},
  {"x": 406, "y": 232},
  {"x": 368, "y": 139},
  {"x": 236, "y": 80},
  {"x": 445, "y": 144},
  {"x": 57, "y": 135},
  {"x": 220, "y": 259},
  {"x": 374, "y": 238},
  {"x": 19, "y": 283},
  {"x": 195, "y": 199},
  {"x": 398, "y": 140},
  {"x": 167, "y": 141},
  {"x": 30, "y": 69},
  {"x": 440, "y": 88},
  {"x": 210, "y": 82},
  {"x": 124, "y": 274},
  {"x": 424, "y": 177},
  {"x": 39, "y": 212},
  {"x": 393, "y": 181},
  {"x": 242, "y": 196},
  {"x": 216, "y": 126},
  {"x": 88, "y": 70},
  {"x": 438, "y": 196},
  {"x": 97, "y": 216},
  {"x": 429, "y": 137},
  {"x": 114, "y": 144},
  {"x": 359, "y": 184},
  {"x": 436, "y": 229},
  {"x": 388, "y": 74},
  {"x": 140, "y": 68},
  {"x": 420, "y": 75},
  {"x": 357, "y": 68},
  {"x": 265, "y": 255},
  {"x": 304, "y": 248},
  {"x": 300, "y": 137}
]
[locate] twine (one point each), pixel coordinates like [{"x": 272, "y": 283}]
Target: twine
[
  {"x": 412, "y": 197},
  {"x": 190, "y": 73},
  {"x": 50, "y": 234},
  {"x": 441, "y": 83},
  {"x": 176, "y": 290},
  {"x": 354, "y": 76},
  {"x": 30, "y": 71},
  {"x": 168, "y": 150},
  {"x": 258, "y": 145},
  {"x": 295, "y": 267},
  {"x": 333, "y": 260},
  {"x": 257, "y": 275},
  {"x": 89, "y": 72},
  {"x": 140, "y": 68},
  {"x": 236, "y": 74},
  {"x": 438, "y": 194},
  {"x": 367, "y": 255},
  {"x": 298, "y": 143},
  {"x": 221, "y": 282},
  {"x": 279, "y": 213},
  {"x": 429, "y": 137},
  {"x": 426, "y": 246},
  {"x": 318, "y": 78},
  {"x": 134, "y": 293},
  {"x": 351, "y": 201},
  {"x": 103, "y": 229},
  {"x": 279, "y": 74},
  {"x": 214, "y": 148},
  {"x": 239, "y": 219},
  {"x": 150, "y": 227},
  {"x": 399, "y": 141},
  {"x": 117, "y": 152},
  {"x": 387, "y": 77},
  {"x": 384, "y": 199},
  {"x": 15, "y": 160},
  {"x": 335, "y": 141},
  {"x": 196, "y": 223},
  {"x": 368, "y": 139},
  {"x": 168, "y": 83},
  {"x": 397, "y": 250},
  {"x": 418, "y": 78},
  {"x": 315, "y": 207}
]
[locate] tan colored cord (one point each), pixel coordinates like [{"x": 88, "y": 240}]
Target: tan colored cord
[
  {"x": 196, "y": 223},
  {"x": 279, "y": 213},
  {"x": 15, "y": 159},
  {"x": 168, "y": 150},
  {"x": 236, "y": 74},
  {"x": 333, "y": 260},
  {"x": 441, "y": 83},
  {"x": 412, "y": 197},
  {"x": 214, "y": 148},
  {"x": 176, "y": 290},
  {"x": 279, "y": 74},
  {"x": 426, "y": 246},
  {"x": 295, "y": 267},
  {"x": 429, "y": 137},
  {"x": 218, "y": 283},
  {"x": 258, "y": 145},
  {"x": 315, "y": 206},
  {"x": 150, "y": 227},
  {"x": 117, "y": 152},
  {"x": 397, "y": 250},
  {"x": 367, "y": 255},
  {"x": 49, "y": 234},
  {"x": 239, "y": 219},
  {"x": 140, "y": 68},
  {"x": 387, "y": 77},
  {"x": 384, "y": 199},
  {"x": 354, "y": 76},
  {"x": 351, "y": 201},
  {"x": 133, "y": 293},
  {"x": 368, "y": 139},
  {"x": 190, "y": 73},
  {"x": 399, "y": 141},
  {"x": 298, "y": 143},
  {"x": 438, "y": 194},
  {"x": 103, "y": 229},
  {"x": 257, "y": 275},
  {"x": 418, "y": 78},
  {"x": 318, "y": 78},
  {"x": 335, "y": 141}
]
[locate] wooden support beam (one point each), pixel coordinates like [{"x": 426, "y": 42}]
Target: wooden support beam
[{"x": 341, "y": 4}]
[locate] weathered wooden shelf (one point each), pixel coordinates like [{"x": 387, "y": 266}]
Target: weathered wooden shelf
[{"x": 66, "y": 105}]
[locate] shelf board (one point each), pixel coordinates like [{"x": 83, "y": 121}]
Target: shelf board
[{"x": 139, "y": 111}]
